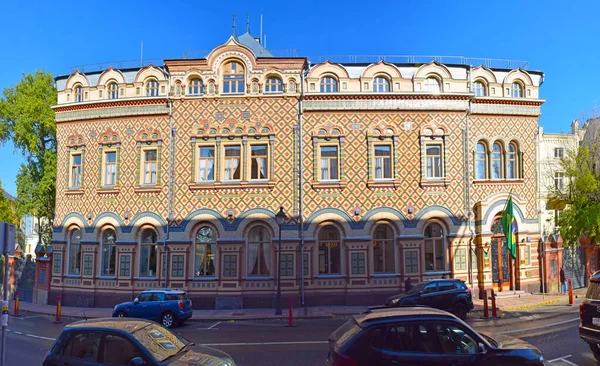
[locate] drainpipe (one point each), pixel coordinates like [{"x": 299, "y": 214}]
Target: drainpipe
[
  {"x": 170, "y": 176},
  {"x": 301, "y": 186},
  {"x": 468, "y": 185}
]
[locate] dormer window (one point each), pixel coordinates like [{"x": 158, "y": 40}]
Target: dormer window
[
  {"x": 381, "y": 85},
  {"x": 152, "y": 88},
  {"x": 329, "y": 85},
  {"x": 196, "y": 87},
  {"x": 478, "y": 89},
  {"x": 274, "y": 85},
  {"x": 432, "y": 85},
  {"x": 78, "y": 93},
  {"x": 113, "y": 91},
  {"x": 233, "y": 78},
  {"x": 517, "y": 90}
]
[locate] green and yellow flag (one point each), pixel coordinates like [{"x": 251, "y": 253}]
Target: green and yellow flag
[{"x": 508, "y": 227}]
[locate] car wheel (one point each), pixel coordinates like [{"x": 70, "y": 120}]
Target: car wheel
[
  {"x": 595, "y": 350},
  {"x": 167, "y": 319},
  {"x": 460, "y": 310},
  {"x": 120, "y": 314}
]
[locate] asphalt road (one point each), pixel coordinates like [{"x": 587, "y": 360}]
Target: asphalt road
[{"x": 553, "y": 329}]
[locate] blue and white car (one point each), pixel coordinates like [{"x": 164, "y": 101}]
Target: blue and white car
[{"x": 165, "y": 306}]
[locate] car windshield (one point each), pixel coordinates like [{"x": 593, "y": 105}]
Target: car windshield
[
  {"x": 593, "y": 291},
  {"x": 490, "y": 340},
  {"x": 416, "y": 288},
  {"x": 159, "y": 341}
]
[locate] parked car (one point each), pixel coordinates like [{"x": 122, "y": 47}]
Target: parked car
[
  {"x": 445, "y": 294},
  {"x": 420, "y": 335},
  {"x": 166, "y": 306},
  {"x": 589, "y": 313},
  {"x": 116, "y": 342}
]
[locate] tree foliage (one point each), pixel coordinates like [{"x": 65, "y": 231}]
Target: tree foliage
[
  {"x": 581, "y": 196},
  {"x": 27, "y": 119},
  {"x": 8, "y": 210}
]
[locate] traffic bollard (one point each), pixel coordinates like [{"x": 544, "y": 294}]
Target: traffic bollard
[
  {"x": 486, "y": 313},
  {"x": 16, "y": 309},
  {"x": 57, "y": 320},
  {"x": 571, "y": 300},
  {"x": 291, "y": 315},
  {"x": 494, "y": 311}
]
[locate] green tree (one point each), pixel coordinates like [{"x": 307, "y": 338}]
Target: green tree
[
  {"x": 27, "y": 119},
  {"x": 8, "y": 210},
  {"x": 580, "y": 196}
]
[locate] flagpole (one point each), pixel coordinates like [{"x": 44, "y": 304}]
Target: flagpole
[{"x": 509, "y": 255}]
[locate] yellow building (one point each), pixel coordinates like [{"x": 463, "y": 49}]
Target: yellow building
[{"x": 386, "y": 170}]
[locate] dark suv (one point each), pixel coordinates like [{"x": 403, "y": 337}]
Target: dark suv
[
  {"x": 445, "y": 294},
  {"x": 589, "y": 313},
  {"x": 422, "y": 336},
  {"x": 166, "y": 306}
]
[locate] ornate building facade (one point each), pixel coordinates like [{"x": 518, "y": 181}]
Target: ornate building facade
[{"x": 174, "y": 174}]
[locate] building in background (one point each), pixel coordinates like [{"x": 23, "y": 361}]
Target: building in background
[{"x": 386, "y": 170}]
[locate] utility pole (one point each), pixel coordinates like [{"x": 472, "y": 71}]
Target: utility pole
[{"x": 7, "y": 245}]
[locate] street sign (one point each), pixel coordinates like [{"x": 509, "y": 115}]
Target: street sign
[{"x": 7, "y": 238}]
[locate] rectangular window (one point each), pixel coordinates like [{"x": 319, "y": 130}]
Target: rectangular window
[
  {"x": 259, "y": 162},
  {"x": 553, "y": 268},
  {"x": 125, "y": 266},
  {"x": 411, "y": 261},
  {"x": 559, "y": 152},
  {"x": 287, "y": 264},
  {"x": 42, "y": 278},
  {"x": 57, "y": 266},
  {"x": 329, "y": 257},
  {"x": 433, "y": 156},
  {"x": 329, "y": 163},
  {"x": 525, "y": 255},
  {"x": 229, "y": 265},
  {"x": 110, "y": 168},
  {"x": 358, "y": 263},
  {"x": 177, "y": 265},
  {"x": 434, "y": 255},
  {"x": 206, "y": 164},
  {"x": 305, "y": 264},
  {"x": 150, "y": 159},
  {"x": 383, "y": 162},
  {"x": 87, "y": 264},
  {"x": 233, "y": 170},
  {"x": 204, "y": 264},
  {"x": 76, "y": 170},
  {"x": 460, "y": 259},
  {"x": 559, "y": 180}
]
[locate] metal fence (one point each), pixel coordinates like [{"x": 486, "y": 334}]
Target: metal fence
[{"x": 412, "y": 59}]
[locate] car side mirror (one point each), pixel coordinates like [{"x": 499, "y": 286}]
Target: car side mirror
[
  {"x": 482, "y": 348},
  {"x": 136, "y": 300},
  {"x": 138, "y": 361}
]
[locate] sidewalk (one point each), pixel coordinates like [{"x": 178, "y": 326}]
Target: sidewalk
[{"x": 525, "y": 301}]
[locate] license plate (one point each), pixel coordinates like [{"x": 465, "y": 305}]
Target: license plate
[{"x": 596, "y": 321}]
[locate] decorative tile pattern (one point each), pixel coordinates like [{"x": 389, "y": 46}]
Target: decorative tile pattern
[
  {"x": 460, "y": 259},
  {"x": 357, "y": 263}
]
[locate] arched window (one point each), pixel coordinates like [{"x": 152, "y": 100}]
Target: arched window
[
  {"x": 517, "y": 90},
  {"x": 381, "y": 84},
  {"x": 274, "y": 85},
  {"x": 259, "y": 252},
  {"x": 109, "y": 252},
  {"x": 233, "y": 78},
  {"x": 78, "y": 93},
  {"x": 432, "y": 85},
  {"x": 74, "y": 252},
  {"x": 148, "y": 253},
  {"x": 205, "y": 252},
  {"x": 329, "y": 85},
  {"x": 113, "y": 91},
  {"x": 383, "y": 249},
  {"x": 496, "y": 168},
  {"x": 196, "y": 87},
  {"x": 152, "y": 88},
  {"x": 479, "y": 89},
  {"x": 480, "y": 161},
  {"x": 434, "y": 248},
  {"x": 329, "y": 251},
  {"x": 511, "y": 161}
]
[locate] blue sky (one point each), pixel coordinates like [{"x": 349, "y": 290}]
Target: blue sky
[{"x": 556, "y": 37}]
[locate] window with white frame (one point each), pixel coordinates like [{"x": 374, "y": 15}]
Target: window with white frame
[
  {"x": 381, "y": 85},
  {"x": 559, "y": 152},
  {"x": 109, "y": 252},
  {"x": 329, "y": 251},
  {"x": 110, "y": 168},
  {"x": 517, "y": 90},
  {"x": 78, "y": 93},
  {"x": 383, "y": 249},
  {"x": 432, "y": 85},
  {"x": 559, "y": 180},
  {"x": 232, "y": 169},
  {"x": 152, "y": 88},
  {"x": 76, "y": 169},
  {"x": 205, "y": 251},
  {"x": 74, "y": 252},
  {"x": 112, "y": 91},
  {"x": 383, "y": 161},
  {"x": 148, "y": 253},
  {"x": 329, "y": 162},
  {"x": 480, "y": 161},
  {"x": 206, "y": 163},
  {"x": 478, "y": 89},
  {"x": 274, "y": 85},
  {"x": 258, "y": 252},
  {"x": 259, "y": 161},
  {"x": 511, "y": 161},
  {"x": 196, "y": 87},
  {"x": 434, "y": 161},
  {"x": 434, "y": 248},
  {"x": 329, "y": 84},
  {"x": 150, "y": 166},
  {"x": 233, "y": 78},
  {"x": 496, "y": 163}
]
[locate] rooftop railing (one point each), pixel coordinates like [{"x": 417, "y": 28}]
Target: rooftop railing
[{"x": 126, "y": 64}]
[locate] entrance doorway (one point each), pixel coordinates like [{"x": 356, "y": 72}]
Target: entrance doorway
[{"x": 501, "y": 261}]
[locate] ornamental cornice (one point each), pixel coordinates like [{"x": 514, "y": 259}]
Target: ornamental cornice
[
  {"x": 506, "y": 109},
  {"x": 110, "y": 112},
  {"x": 107, "y": 103},
  {"x": 387, "y": 104}
]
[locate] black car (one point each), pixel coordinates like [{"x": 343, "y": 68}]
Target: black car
[
  {"x": 422, "y": 336},
  {"x": 125, "y": 342},
  {"x": 446, "y": 294},
  {"x": 589, "y": 313}
]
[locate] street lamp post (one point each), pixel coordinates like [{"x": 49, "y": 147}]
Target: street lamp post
[{"x": 280, "y": 217}]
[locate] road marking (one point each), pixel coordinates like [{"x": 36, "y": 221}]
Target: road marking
[
  {"x": 560, "y": 358},
  {"x": 24, "y": 318},
  {"x": 214, "y": 325},
  {"x": 18, "y": 332},
  {"x": 538, "y": 327},
  {"x": 265, "y": 343},
  {"x": 39, "y": 337}
]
